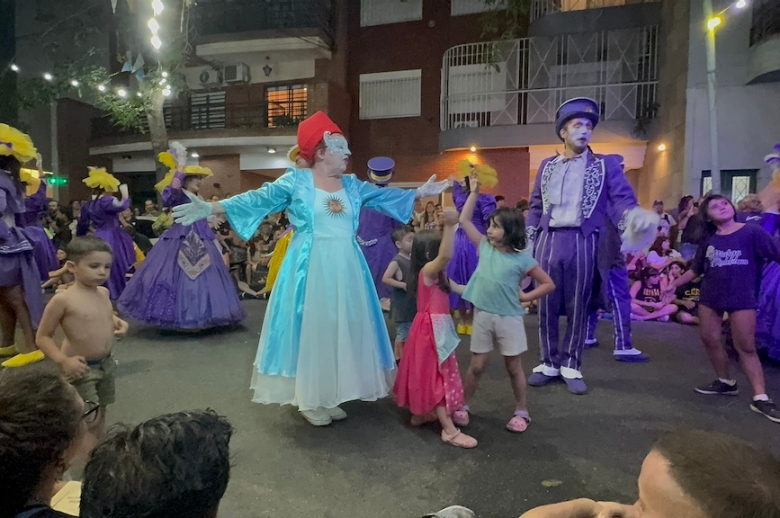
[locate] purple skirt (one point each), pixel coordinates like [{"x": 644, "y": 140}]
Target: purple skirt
[
  {"x": 462, "y": 267},
  {"x": 124, "y": 257},
  {"x": 378, "y": 257},
  {"x": 43, "y": 250},
  {"x": 18, "y": 268},
  {"x": 163, "y": 295},
  {"x": 768, "y": 314}
]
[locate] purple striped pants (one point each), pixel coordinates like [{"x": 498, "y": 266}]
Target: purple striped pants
[{"x": 569, "y": 258}]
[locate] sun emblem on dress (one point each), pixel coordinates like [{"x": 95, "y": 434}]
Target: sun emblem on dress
[{"x": 334, "y": 206}]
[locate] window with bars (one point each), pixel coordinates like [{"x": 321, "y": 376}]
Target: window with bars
[
  {"x": 461, "y": 7},
  {"x": 287, "y": 104},
  {"x": 388, "y": 95},
  {"x": 735, "y": 184},
  {"x": 207, "y": 110},
  {"x": 381, "y": 12}
]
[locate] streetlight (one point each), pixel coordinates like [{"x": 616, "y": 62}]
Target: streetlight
[{"x": 713, "y": 22}]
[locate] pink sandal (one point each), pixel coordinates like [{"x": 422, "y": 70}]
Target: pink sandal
[
  {"x": 459, "y": 439},
  {"x": 460, "y": 417},
  {"x": 419, "y": 420},
  {"x": 518, "y": 424}
]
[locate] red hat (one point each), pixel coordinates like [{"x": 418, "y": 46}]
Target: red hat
[{"x": 311, "y": 131}]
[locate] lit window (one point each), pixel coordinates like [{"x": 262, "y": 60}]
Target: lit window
[
  {"x": 460, "y": 7},
  {"x": 287, "y": 105}
]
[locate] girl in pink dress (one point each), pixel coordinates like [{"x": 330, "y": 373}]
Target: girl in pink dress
[{"x": 428, "y": 379}]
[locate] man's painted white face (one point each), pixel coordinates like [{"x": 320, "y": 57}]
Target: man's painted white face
[
  {"x": 577, "y": 133},
  {"x": 337, "y": 144}
]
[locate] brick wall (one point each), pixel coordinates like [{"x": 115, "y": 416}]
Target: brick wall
[
  {"x": 227, "y": 173},
  {"x": 251, "y": 181},
  {"x": 73, "y": 131},
  {"x": 413, "y": 142}
]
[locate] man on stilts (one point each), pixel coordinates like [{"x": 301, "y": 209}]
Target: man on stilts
[{"x": 574, "y": 196}]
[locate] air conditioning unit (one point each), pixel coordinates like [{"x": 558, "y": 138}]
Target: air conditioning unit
[
  {"x": 210, "y": 77},
  {"x": 466, "y": 124},
  {"x": 238, "y": 73}
]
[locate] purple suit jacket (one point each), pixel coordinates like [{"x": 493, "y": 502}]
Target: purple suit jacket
[{"x": 606, "y": 196}]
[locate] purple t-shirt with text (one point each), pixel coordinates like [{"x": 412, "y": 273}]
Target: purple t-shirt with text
[{"x": 732, "y": 265}]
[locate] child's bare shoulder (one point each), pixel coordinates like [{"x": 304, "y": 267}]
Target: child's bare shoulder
[{"x": 104, "y": 292}]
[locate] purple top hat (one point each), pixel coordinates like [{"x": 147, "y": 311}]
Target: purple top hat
[
  {"x": 381, "y": 170},
  {"x": 577, "y": 108}
]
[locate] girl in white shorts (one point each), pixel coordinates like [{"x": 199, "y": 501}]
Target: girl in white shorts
[{"x": 494, "y": 290}]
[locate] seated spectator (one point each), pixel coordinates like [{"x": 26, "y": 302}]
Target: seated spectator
[
  {"x": 686, "y": 299},
  {"x": 172, "y": 465},
  {"x": 750, "y": 210},
  {"x": 691, "y": 474},
  {"x": 42, "y": 422},
  {"x": 163, "y": 222},
  {"x": 635, "y": 263},
  {"x": 523, "y": 206},
  {"x": 647, "y": 297},
  {"x": 661, "y": 253},
  {"x": 151, "y": 209},
  {"x": 500, "y": 202}
]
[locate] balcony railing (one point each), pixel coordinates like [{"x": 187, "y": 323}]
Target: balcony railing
[
  {"x": 210, "y": 117},
  {"x": 524, "y": 81},
  {"x": 541, "y": 8},
  {"x": 766, "y": 20},
  {"x": 231, "y": 16}
]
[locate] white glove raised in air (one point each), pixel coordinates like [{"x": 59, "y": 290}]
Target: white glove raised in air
[
  {"x": 641, "y": 229},
  {"x": 432, "y": 187},
  {"x": 189, "y": 213}
]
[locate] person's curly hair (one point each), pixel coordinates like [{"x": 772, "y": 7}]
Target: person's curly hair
[
  {"x": 39, "y": 419},
  {"x": 170, "y": 466}
]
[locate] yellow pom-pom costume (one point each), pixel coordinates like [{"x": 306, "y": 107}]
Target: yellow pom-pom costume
[
  {"x": 30, "y": 179},
  {"x": 17, "y": 144},
  {"x": 190, "y": 170},
  {"x": 99, "y": 178},
  {"x": 486, "y": 175}
]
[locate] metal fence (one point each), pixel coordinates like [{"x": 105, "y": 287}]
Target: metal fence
[
  {"x": 523, "y": 81},
  {"x": 541, "y": 8}
]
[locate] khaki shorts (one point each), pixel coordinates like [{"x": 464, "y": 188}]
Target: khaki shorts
[
  {"x": 99, "y": 384},
  {"x": 506, "y": 331}
]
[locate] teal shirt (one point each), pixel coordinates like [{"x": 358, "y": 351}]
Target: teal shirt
[{"x": 495, "y": 285}]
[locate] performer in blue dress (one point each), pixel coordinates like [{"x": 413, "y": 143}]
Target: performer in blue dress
[{"x": 324, "y": 340}]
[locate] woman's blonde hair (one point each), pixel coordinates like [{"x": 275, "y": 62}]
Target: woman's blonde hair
[{"x": 750, "y": 203}]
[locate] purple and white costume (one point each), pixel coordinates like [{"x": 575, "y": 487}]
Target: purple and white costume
[
  {"x": 464, "y": 262},
  {"x": 375, "y": 237}
]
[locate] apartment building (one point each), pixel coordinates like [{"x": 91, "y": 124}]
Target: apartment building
[
  {"x": 259, "y": 69},
  {"x": 747, "y": 55}
]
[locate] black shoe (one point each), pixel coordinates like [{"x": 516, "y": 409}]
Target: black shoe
[
  {"x": 718, "y": 388},
  {"x": 767, "y": 408}
]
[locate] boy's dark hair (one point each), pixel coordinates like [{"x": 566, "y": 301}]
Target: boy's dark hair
[
  {"x": 500, "y": 198},
  {"x": 401, "y": 232},
  {"x": 647, "y": 272},
  {"x": 725, "y": 476},
  {"x": 80, "y": 247},
  {"x": 424, "y": 250},
  {"x": 523, "y": 204},
  {"x": 170, "y": 466},
  {"x": 39, "y": 419},
  {"x": 513, "y": 223}
]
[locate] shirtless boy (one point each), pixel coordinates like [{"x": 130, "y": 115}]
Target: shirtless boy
[{"x": 85, "y": 314}]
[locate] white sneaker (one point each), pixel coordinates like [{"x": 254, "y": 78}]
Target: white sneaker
[
  {"x": 336, "y": 413},
  {"x": 453, "y": 511},
  {"x": 317, "y": 417}
]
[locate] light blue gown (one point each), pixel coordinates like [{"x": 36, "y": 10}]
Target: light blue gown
[{"x": 324, "y": 340}]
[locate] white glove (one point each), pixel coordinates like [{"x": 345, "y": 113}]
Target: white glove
[
  {"x": 641, "y": 229},
  {"x": 123, "y": 190},
  {"x": 432, "y": 187},
  {"x": 189, "y": 213}
]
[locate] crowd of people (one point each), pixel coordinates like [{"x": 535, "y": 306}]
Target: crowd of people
[{"x": 472, "y": 270}]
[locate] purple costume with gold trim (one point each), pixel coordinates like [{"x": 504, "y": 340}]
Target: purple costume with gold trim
[
  {"x": 103, "y": 214},
  {"x": 465, "y": 259},
  {"x": 375, "y": 237},
  {"x": 17, "y": 261},
  {"x": 44, "y": 251},
  {"x": 183, "y": 283}
]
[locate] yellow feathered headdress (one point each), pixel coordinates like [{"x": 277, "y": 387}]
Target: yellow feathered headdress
[
  {"x": 15, "y": 143},
  {"x": 99, "y": 178},
  {"x": 486, "y": 175},
  {"x": 30, "y": 178},
  {"x": 176, "y": 160}
]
